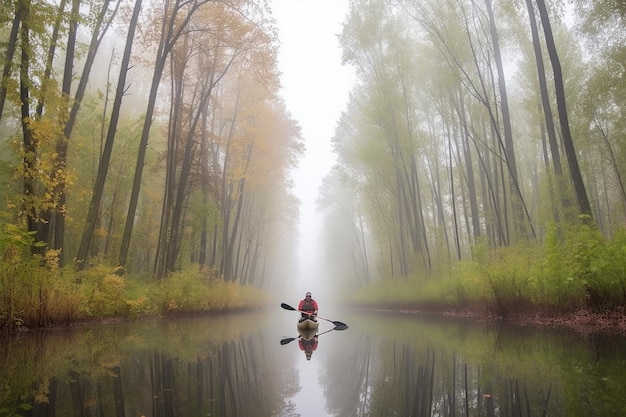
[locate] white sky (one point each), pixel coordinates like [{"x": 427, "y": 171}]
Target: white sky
[{"x": 315, "y": 88}]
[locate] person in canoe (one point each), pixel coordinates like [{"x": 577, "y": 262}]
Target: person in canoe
[{"x": 308, "y": 307}]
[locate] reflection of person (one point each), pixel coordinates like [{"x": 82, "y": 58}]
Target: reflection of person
[
  {"x": 308, "y": 346},
  {"x": 309, "y": 308}
]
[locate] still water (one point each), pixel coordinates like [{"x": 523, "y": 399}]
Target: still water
[{"x": 257, "y": 365}]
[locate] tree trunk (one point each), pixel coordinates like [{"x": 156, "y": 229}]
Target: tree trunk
[
  {"x": 61, "y": 147},
  {"x": 547, "y": 113},
  {"x": 30, "y": 148},
  {"x": 206, "y": 189},
  {"x": 229, "y": 251},
  {"x": 577, "y": 179},
  {"x": 226, "y": 195},
  {"x": 182, "y": 194},
  {"x": 47, "y": 215},
  {"x": 455, "y": 226},
  {"x": 174, "y": 127},
  {"x": 50, "y": 57},
  {"x": 9, "y": 53},
  {"x": 469, "y": 168},
  {"x": 520, "y": 211}
]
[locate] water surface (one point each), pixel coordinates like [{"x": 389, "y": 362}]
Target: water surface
[{"x": 255, "y": 365}]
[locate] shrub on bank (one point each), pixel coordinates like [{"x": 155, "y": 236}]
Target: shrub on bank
[
  {"x": 581, "y": 269},
  {"x": 35, "y": 292},
  {"x": 194, "y": 290},
  {"x": 31, "y": 291}
]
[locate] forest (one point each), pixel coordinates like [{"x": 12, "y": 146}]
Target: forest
[
  {"x": 481, "y": 156},
  {"x": 139, "y": 140},
  {"x": 147, "y": 156}
]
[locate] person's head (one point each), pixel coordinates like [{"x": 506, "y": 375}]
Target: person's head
[{"x": 308, "y": 295}]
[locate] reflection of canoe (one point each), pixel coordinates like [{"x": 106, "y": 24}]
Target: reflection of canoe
[
  {"x": 307, "y": 334},
  {"x": 308, "y": 325}
]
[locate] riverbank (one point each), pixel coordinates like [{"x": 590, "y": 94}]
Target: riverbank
[{"x": 580, "y": 321}]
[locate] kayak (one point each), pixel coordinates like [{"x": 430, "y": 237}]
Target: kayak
[
  {"x": 307, "y": 334},
  {"x": 308, "y": 324}
]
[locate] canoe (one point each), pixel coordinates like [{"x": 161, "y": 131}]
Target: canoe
[{"x": 308, "y": 324}]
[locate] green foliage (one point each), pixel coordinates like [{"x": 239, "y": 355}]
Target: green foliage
[
  {"x": 598, "y": 383},
  {"x": 35, "y": 292},
  {"x": 27, "y": 295},
  {"x": 102, "y": 292},
  {"x": 581, "y": 270},
  {"x": 412, "y": 293},
  {"x": 194, "y": 291},
  {"x": 509, "y": 271},
  {"x": 595, "y": 266}
]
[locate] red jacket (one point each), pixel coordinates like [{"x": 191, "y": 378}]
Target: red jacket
[{"x": 308, "y": 306}]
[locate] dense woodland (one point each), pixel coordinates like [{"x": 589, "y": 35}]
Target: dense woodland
[
  {"x": 148, "y": 137},
  {"x": 485, "y": 142},
  {"x": 482, "y": 150},
  {"x": 167, "y": 147}
]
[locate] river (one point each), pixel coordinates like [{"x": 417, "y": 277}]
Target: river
[{"x": 253, "y": 365}]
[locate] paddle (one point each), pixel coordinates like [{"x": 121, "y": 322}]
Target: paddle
[
  {"x": 291, "y": 339},
  {"x": 338, "y": 325}
]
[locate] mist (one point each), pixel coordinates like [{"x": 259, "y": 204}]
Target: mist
[{"x": 315, "y": 86}]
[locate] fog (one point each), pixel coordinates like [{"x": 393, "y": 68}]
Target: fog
[{"x": 315, "y": 87}]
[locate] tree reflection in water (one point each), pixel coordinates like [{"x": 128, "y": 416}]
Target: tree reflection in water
[
  {"x": 231, "y": 366},
  {"x": 412, "y": 366},
  {"x": 185, "y": 367}
]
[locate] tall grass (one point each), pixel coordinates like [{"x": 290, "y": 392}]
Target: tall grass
[
  {"x": 194, "y": 291},
  {"x": 35, "y": 292},
  {"x": 580, "y": 270},
  {"x": 30, "y": 287}
]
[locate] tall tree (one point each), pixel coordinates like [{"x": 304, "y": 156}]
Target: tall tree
[
  {"x": 519, "y": 208},
  {"x": 555, "y": 152},
  {"x": 8, "y": 55},
  {"x": 29, "y": 140},
  {"x": 577, "y": 179},
  {"x": 66, "y": 84}
]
